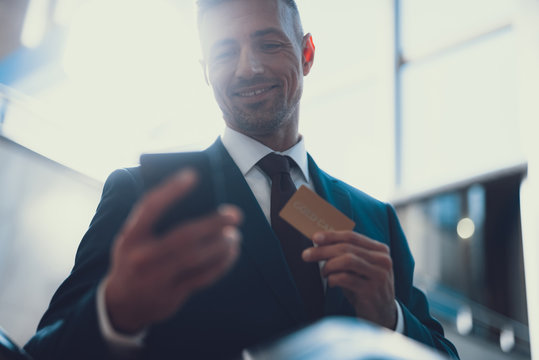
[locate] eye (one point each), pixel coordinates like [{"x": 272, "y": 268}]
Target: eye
[
  {"x": 224, "y": 54},
  {"x": 271, "y": 46}
]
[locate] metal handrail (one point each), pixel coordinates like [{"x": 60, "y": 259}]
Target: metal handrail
[{"x": 471, "y": 318}]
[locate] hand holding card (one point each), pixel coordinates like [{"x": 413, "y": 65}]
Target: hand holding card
[{"x": 361, "y": 266}]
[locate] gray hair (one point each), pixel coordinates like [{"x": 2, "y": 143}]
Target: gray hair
[{"x": 205, "y": 5}]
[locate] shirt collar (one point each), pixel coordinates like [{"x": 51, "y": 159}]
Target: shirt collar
[{"x": 246, "y": 151}]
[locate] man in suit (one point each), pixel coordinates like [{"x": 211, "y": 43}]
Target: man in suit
[{"x": 198, "y": 291}]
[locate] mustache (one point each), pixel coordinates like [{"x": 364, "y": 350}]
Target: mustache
[{"x": 246, "y": 83}]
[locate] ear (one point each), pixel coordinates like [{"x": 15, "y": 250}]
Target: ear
[
  {"x": 204, "y": 71},
  {"x": 308, "y": 53}
]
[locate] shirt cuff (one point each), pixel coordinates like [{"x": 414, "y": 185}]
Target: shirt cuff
[
  {"x": 400, "y": 319},
  {"x": 120, "y": 344}
]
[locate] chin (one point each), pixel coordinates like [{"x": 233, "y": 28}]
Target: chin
[{"x": 258, "y": 127}]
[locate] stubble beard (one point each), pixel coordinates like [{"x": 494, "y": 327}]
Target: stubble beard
[{"x": 258, "y": 120}]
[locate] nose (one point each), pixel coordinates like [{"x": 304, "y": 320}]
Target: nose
[{"x": 249, "y": 64}]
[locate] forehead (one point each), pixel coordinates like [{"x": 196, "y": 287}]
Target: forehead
[{"x": 239, "y": 19}]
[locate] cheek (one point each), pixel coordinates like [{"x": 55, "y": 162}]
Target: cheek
[
  {"x": 295, "y": 81},
  {"x": 294, "y": 73},
  {"x": 218, "y": 83},
  {"x": 220, "y": 74}
]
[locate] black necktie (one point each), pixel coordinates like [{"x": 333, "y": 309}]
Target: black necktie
[{"x": 306, "y": 275}]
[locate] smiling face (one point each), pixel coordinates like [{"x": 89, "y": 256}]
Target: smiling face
[{"x": 255, "y": 65}]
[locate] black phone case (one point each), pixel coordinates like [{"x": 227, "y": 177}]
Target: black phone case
[{"x": 200, "y": 201}]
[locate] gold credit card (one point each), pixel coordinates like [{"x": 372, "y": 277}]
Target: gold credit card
[{"x": 309, "y": 213}]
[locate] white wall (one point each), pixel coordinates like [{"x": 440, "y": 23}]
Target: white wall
[{"x": 45, "y": 209}]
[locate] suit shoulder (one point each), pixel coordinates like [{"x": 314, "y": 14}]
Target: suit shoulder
[
  {"x": 359, "y": 196},
  {"x": 372, "y": 216},
  {"x": 123, "y": 180},
  {"x": 127, "y": 175}
]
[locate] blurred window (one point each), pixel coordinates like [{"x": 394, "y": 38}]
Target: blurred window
[
  {"x": 130, "y": 82},
  {"x": 458, "y": 91}
]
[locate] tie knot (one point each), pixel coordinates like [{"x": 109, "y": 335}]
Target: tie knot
[{"x": 273, "y": 164}]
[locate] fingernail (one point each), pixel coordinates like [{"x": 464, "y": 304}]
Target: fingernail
[
  {"x": 318, "y": 237},
  {"x": 231, "y": 212},
  {"x": 185, "y": 175},
  {"x": 307, "y": 254},
  {"x": 231, "y": 233}
]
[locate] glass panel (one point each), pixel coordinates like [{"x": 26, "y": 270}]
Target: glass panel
[
  {"x": 348, "y": 138},
  {"x": 460, "y": 114},
  {"x": 347, "y": 111},
  {"x": 468, "y": 251},
  {"x": 443, "y": 255},
  {"x": 149, "y": 93},
  {"x": 431, "y": 24}
]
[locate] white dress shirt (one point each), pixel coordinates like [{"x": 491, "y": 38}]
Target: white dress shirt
[{"x": 245, "y": 152}]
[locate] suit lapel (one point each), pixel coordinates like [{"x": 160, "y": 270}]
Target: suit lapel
[
  {"x": 259, "y": 242},
  {"x": 330, "y": 189}
]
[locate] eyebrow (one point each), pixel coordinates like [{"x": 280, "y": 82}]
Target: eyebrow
[
  {"x": 268, "y": 31},
  {"x": 257, "y": 34}
]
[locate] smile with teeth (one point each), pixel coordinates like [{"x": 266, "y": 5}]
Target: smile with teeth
[{"x": 253, "y": 92}]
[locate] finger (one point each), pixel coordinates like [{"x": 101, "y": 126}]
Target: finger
[
  {"x": 208, "y": 272},
  {"x": 194, "y": 261},
  {"x": 358, "y": 286},
  {"x": 352, "y": 264},
  {"x": 320, "y": 253},
  {"x": 347, "y": 281},
  {"x": 195, "y": 233},
  {"x": 155, "y": 202},
  {"x": 332, "y": 237},
  {"x": 182, "y": 244},
  {"x": 163, "y": 269}
]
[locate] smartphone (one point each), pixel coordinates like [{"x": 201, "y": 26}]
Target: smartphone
[{"x": 201, "y": 200}]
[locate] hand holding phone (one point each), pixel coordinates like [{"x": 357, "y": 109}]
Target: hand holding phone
[{"x": 170, "y": 247}]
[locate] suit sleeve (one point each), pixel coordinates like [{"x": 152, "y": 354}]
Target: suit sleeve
[
  {"x": 418, "y": 323},
  {"x": 69, "y": 328}
]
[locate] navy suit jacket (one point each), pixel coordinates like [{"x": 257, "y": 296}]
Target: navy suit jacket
[{"x": 254, "y": 302}]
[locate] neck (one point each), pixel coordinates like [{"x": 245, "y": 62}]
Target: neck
[{"x": 280, "y": 141}]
